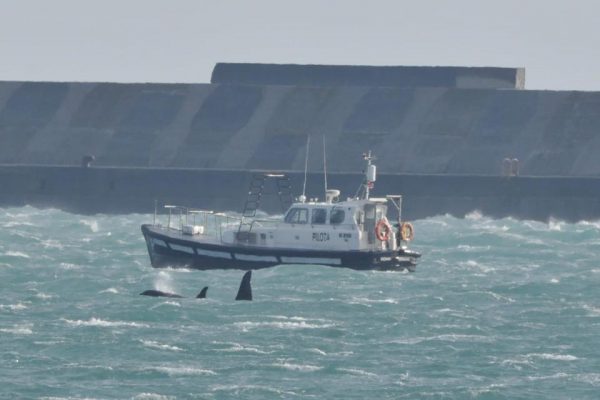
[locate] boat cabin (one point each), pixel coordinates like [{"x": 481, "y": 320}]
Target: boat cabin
[{"x": 347, "y": 225}]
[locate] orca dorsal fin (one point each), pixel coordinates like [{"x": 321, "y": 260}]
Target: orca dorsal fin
[
  {"x": 202, "y": 294},
  {"x": 245, "y": 290}
]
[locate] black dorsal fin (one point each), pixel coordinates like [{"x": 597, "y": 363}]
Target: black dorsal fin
[
  {"x": 245, "y": 291},
  {"x": 202, "y": 294}
]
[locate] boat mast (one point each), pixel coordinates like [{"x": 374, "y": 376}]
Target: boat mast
[
  {"x": 370, "y": 173},
  {"x": 325, "y": 166},
  {"x": 303, "y": 197}
]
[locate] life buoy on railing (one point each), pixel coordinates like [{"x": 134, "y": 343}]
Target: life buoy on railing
[
  {"x": 407, "y": 232},
  {"x": 383, "y": 229}
]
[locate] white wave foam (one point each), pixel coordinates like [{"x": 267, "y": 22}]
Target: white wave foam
[
  {"x": 297, "y": 318},
  {"x": 470, "y": 249},
  {"x": 436, "y": 221},
  {"x": 516, "y": 363},
  {"x": 364, "y": 300},
  {"x": 318, "y": 351},
  {"x": 474, "y": 216},
  {"x": 48, "y": 342},
  {"x": 155, "y": 345},
  {"x": 240, "y": 389},
  {"x": 281, "y": 325},
  {"x": 69, "y": 266},
  {"x": 67, "y": 398},
  {"x": 13, "y": 307},
  {"x": 590, "y": 378},
  {"x": 15, "y": 224},
  {"x": 528, "y": 239},
  {"x": 356, "y": 371},
  {"x": 236, "y": 347},
  {"x": 555, "y": 225},
  {"x": 480, "y": 391},
  {"x": 472, "y": 264},
  {"x": 558, "y": 375},
  {"x": 163, "y": 303},
  {"x": 553, "y": 357},
  {"x": 183, "y": 371},
  {"x": 501, "y": 298},
  {"x": 93, "y": 225},
  {"x": 595, "y": 224},
  {"x": 18, "y": 254},
  {"x": 153, "y": 396},
  {"x": 43, "y": 296},
  {"x": 593, "y": 311},
  {"x": 408, "y": 341},
  {"x": 103, "y": 323},
  {"x": 529, "y": 359},
  {"x": 18, "y": 329},
  {"x": 461, "y": 338},
  {"x": 52, "y": 244},
  {"x": 110, "y": 290},
  {"x": 297, "y": 367}
]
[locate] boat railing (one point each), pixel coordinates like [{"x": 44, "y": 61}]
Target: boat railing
[
  {"x": 264, "y": 223},
  {"x": 213, "y": 223}
]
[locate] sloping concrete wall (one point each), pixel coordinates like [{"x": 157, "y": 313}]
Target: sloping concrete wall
[
  {"x": 217, "y": 126},
  {"x": 356, "y": 75}
]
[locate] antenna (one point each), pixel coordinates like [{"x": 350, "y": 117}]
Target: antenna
[
  {"x": 155, "y": 206},
  {"x": 370, "y": 173},
  {"x": 303, "y": 198},
  {"x": 325, "y": 165}
]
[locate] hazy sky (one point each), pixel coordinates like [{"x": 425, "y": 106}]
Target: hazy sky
[{"x": 558, "y": 42}]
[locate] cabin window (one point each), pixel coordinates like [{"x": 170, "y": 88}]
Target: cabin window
[
  {"x": 337, "y": 216},
  {"x": 319, "y": 216},
  {"x": 297, "y": 216},
  {"x": 380, "y": 211},
  {"x": 370, "y": 211}
]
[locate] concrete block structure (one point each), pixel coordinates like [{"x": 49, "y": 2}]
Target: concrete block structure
[
  {"x": 419, "y": 121},
  {"x": 361, "y": 75}
]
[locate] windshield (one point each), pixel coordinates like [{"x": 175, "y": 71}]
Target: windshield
[
  {"x": 297, "y": 216},
  {"x": 337, "y": 216}
]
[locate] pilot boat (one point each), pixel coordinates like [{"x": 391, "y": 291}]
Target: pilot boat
[{"x": 354, "y": 233}]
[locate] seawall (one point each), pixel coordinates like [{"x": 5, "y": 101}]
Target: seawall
[
  {"x": 440, "y": 135},
  {"x": 127, "y": 190},
  {"x": 421, "y": 130}
]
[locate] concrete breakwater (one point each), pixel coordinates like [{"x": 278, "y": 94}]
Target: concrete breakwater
[
  {"x": 440, "y": 134},
  {"x": 126, "y": 190},
  {"x": 422, "y": 130}
]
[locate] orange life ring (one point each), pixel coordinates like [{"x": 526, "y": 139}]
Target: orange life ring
[
  {"x": 407, "y": 232},
  {"x": 383, "y": 230}
]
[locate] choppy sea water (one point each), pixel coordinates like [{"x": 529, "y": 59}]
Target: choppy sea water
[{"x": 498, "y": 309}]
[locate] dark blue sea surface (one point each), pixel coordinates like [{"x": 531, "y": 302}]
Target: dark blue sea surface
[{"x": 498, "y": 309}]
